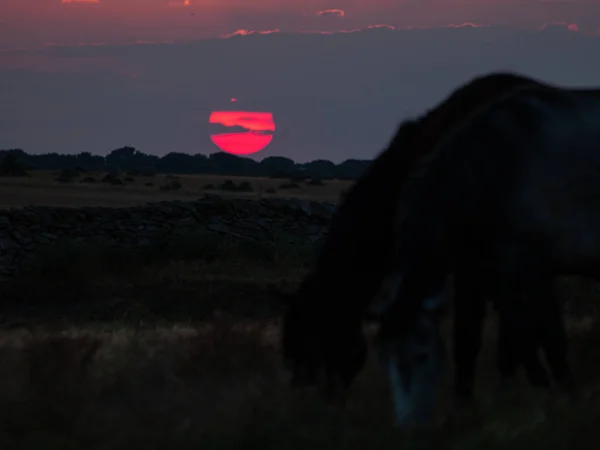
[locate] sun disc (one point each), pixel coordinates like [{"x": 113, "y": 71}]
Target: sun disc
[{"x": 258, "y": 128}]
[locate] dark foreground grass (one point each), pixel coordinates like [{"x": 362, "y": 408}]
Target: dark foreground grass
[
  {"x": 181, "y": 352},
  {"x": 220, "y": 386}
]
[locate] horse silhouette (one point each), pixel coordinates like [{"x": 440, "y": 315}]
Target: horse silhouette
[
  {"x": 515, "y": 191},
  {"x": 322, "y": 328}
]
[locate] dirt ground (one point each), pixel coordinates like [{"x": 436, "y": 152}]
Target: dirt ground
[{"x": 41, "y": 188}]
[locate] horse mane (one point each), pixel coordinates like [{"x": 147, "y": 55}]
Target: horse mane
[
  {"x": 369, "y": 209},
  {"x": 377, "y": 186},
  {"x": 442, "y": 125},
  {"x": 466, "y": 103}
]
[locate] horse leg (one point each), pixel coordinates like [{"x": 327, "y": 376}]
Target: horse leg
[
  {"x": 519, "y": 334},
  {"x": 546, "y": 312},
  {"x": 508, "y": 362},
  {"x": 553, "y": 335},
  {"x": 469, "y": 314},
  {"x": 511, "y": 355}
]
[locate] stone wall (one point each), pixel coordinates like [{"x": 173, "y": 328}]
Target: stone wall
[{"x": 23, "y": 231}]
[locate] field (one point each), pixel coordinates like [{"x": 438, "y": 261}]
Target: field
[
  {"x": 42, "y": 188},
  {"x": 104, "y": 350}
]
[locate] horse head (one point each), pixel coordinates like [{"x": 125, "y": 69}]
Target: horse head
[{"x": 409, "y": 344}]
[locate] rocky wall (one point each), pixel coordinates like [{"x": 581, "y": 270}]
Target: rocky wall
[{"x": 25, "y": 230}]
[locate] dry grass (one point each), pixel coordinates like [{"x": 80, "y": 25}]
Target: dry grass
[
  {"x": 41, "y": 188},
  {"x": 219, "y": 385},
  {"x": 182, "y": 353}
]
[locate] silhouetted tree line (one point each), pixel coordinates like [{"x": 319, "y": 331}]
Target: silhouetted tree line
[{"x": 129, "y": 159}]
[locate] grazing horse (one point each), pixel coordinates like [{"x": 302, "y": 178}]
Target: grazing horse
[
  {"x": 322, "y": 327},
  {"x": 514, "y": 188}
]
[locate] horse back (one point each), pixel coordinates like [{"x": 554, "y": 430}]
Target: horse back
[{"x": 526, "y": 165}]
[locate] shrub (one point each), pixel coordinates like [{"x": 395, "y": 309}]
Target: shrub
[
  {"x": 110, "y": 178},
  {"x": 244, "y": 186},
  {"x": 228, "y": 185},
  {"x": 67, "y": 175},
  {"x": 172, "y": 185}
]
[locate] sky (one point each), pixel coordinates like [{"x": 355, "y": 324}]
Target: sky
[{"x": 333, "y": 77}]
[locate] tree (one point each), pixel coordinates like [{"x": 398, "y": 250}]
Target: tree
[
  {"x": 320, "y": 168},
  {"x": 10, "y": 167},
  {"x": 277, "y": 165}
]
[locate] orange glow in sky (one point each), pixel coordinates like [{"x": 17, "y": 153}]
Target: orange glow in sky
[{"x": 259, "y": 126}]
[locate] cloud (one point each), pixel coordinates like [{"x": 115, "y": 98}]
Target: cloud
[
  {"x": 81, "y": 1},
  {"x": 249, "y": 120},
  {"x": 331, "y": 12},
  {"x": 465, "y": 25},
  {"x": 243, "y": 32},
  {"x": 560, "y": 24}
]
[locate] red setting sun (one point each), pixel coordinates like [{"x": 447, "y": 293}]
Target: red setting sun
[{"x": 259, "y": 126}]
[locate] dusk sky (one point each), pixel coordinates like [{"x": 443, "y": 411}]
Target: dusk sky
[{"x": 332, "y": 79}]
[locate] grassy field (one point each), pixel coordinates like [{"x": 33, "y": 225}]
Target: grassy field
[
  {"x": 42, "y": 188},
  {"x": 178, "y": 349}
]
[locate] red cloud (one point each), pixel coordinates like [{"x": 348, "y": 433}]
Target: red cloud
[
  {"x": 353, "y": 30},
  {"x": 331, "y": 12},
  {"x": 80, "y": 1},
  {"x": 252, "y": 121},
  {"x": 244, "y": 32}
]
